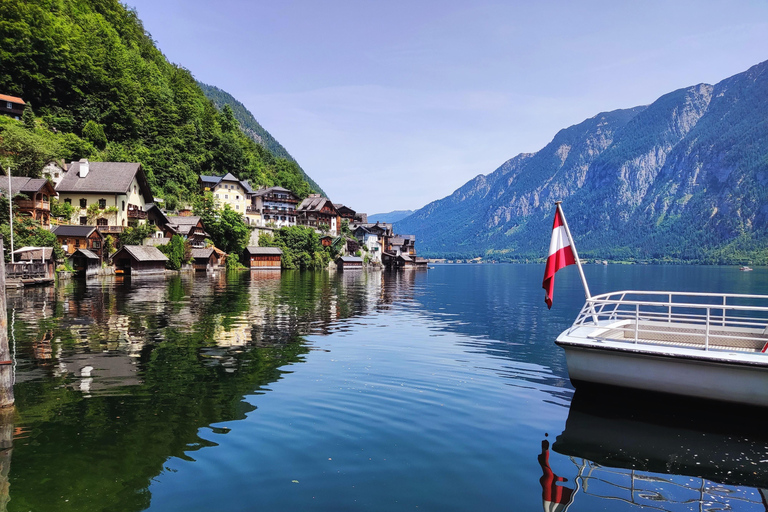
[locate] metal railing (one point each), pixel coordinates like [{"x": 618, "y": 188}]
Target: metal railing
[{"x": 726, "y": 320}]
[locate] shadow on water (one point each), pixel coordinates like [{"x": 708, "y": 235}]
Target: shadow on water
[
  {"x": 655, "y": 450},
  {"x": 116, "y": 376}
]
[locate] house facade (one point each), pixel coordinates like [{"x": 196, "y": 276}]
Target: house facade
[
  {"x": 11, "y": 106},
  {"x": 189, "y": 227},
  {"x": 139, "y": 260},
  {"x": 229, "y": 190},
  {"x": 73, "y": 238},
  {"x": 273, "y": 206},
  {"x": 319, "y": 213},
  {"x": 111, "y": 195},
  {"x": 32, "y": 197},
  {"x": 263, "y": 258}
]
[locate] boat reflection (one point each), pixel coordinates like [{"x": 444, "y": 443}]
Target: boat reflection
[{"x": 666, "y": 454}]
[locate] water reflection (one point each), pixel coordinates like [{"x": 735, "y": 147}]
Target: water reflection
[
  {"x": 116, "y": 376},
  {"x": 665, "y": 454}
]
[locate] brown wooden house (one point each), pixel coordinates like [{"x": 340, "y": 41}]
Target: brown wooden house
[
  {"x": 139, "y": 260},
  {"x": 32, "y": 196},
  {"x": 84, "y": 262},
  {"x": 72, "y": 238},
  {"x": 263, "y": 257},
  {"x": 349, "y": 263},
  {"x": 205, "y": 259},
  {"x": 11, "y": 106}
]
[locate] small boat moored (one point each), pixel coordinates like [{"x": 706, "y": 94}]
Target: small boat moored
[{"x": 705, "y": 345}]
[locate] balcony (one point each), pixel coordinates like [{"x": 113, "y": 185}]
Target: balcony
[
  {"x": 134, "y": 212},
  {"x": 29, "y": 204},
  {"x": 111, "y": 229},
  {"x": 276, "y": 198}
]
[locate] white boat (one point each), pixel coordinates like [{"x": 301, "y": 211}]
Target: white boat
[
  {"x": 745, "y": 268},
  {"x": 704, "y": 345}
]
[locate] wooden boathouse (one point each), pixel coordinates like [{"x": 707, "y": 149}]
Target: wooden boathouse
[
  {"x": 265, "y": 258},
  {"x": 139, "y": 260}
]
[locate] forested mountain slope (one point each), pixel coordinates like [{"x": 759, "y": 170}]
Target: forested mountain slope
[
  {"x": 102, "y": 90},
  {"x": 252, "y": 128},
  {"x": 683, "y": 178}
]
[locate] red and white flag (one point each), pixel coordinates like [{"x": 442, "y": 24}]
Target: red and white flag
[{"x": 560, "y": 255}]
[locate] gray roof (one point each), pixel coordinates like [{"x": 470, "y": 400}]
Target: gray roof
[
  {"x": 183, "y": 220},
  {"x": 351, "y": 259},
  {"x": 405, "y": 257},
  {"x": 85, "y": 252},
  {"x": 270, "y": 190},
  {"x": 105, "y": 177},
  {"x": 144, "y": 253},
  {"x": 73, "y": 230},
  {"x": 202, "y": 253},
  {"x": 263, "y": 251},
  {"x": 33, "y": 253},
  {"x": 22, "y": 184},
  {"x": 313, "y": 203},
  {"x": 215, "y": 180}
]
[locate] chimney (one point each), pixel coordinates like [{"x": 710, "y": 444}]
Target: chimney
[{"x": 84, "y": 167}]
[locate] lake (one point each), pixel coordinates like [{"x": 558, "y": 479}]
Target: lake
[{"x": 420, "y": 390}]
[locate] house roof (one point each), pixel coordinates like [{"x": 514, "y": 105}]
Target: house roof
[
  {"x": 24, "y": 185},
  {"x": 183, "y": 224},
  {"x": 33, "y": 253},
  {"x": 314, "y": 203},
  {"x": 270, "y": 190},
  {"x": 85, "y": 252},
  {"x": 350, "y": 259},
  {"x": 143, "y": 253},
  {"x": 106, "y": 178},
  {"x": 73, "y": 230},
  {"x": 152, "y": 207},
  {"x": 12, "y": 99},
  {"x": 202, "y": 253},
  {"x": 263, "y": 251},
  {"x": 212, "y": 181}
]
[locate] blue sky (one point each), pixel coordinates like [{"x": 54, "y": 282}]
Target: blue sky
[{"x": 391, "y": 105}]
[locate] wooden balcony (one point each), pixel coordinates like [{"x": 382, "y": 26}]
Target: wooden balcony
[
  {"x": 273, "y": 197},
  {"x": 111, "y": 229},
  {"x": 134, "y": 212},
  {"x": 29, "y": 204}
]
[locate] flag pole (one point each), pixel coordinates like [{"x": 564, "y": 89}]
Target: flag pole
[
  {"x": 10, "y": 209},
  {"x": 573, "y": 248}
]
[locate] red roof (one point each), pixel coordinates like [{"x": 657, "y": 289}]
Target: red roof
[{"x": 12, "y": 99}]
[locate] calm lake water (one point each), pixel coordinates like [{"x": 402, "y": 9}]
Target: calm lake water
[{"x": 433, "y": 390}]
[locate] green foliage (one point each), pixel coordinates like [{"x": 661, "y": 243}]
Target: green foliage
[
  {"x": 28, "y": 117},
  {"x": 26, "y": 232},
  {"x": 226, "y": 226},
  {"x": 97, "y": 80},
  {"x": 109, "y": 245},
  {"x": 61, "y": 210},
  {"x": 301, "y": 247},
  {"x": 94, "y": 133},
  {"x": 25, "y": 152},
  {"x": 136, "y": 235},
  {"x": 232, "y": 263},
  {"x": 178, "y": 252}
]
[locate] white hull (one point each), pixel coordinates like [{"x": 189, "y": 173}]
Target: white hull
[
  {"x": 697, "y": 345},
  {"x": 669, "y": 373}
]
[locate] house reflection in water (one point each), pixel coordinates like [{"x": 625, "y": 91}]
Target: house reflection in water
[{"x": 556, "y": 498}]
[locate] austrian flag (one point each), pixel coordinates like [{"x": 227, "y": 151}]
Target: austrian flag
[{"x": 560, "y": 255}]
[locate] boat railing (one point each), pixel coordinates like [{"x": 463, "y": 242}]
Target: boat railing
[{"x": 737, "y": 321}]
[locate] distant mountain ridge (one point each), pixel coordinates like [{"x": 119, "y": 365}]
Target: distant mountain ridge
[
  {"x": 252, "y": 128},
  {"x": 683, "y": 178},
  {"x": 390, "y": 217}
]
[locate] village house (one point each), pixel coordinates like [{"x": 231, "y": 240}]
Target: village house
[
  {"x": 54, "y": 172},
  {"x": 319, "y": 213},
  {"x": 30, "y": 265},
  {"x": 75, "y": 237},
  {"x": 229, "y": 190},
  {"x": 189, "y": 227},
  {"x": 113, "y": 194},
  {"x": 34, "y": 197},
  {"x": 273, "y": 206},
  {"x": 372, "y": 236},
  {"x": 139, "y": 260},
  {"x": 345, "y": 213},
  {"x": 11, "y": 106},
  {"x": 400, "y": 252},
  {"x": 263, "y": 258}
]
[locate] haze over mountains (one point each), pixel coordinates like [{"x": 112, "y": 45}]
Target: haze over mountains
[{"x": 683, "y": 178}]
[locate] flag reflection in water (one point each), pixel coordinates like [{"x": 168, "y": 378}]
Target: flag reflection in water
[{"x": 556, "y": 497}]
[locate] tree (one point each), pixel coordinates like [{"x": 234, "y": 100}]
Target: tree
[
  {"x": 301, "y": 247},
  {"x": 178, "y": 251},
  {"x": 230, "y": 232},
  {"x": 28, "y": 117},
  {"x": 25, "y": 152},
  {"x": 94, "y": 132},
  {"x": 136, "y": 235}
]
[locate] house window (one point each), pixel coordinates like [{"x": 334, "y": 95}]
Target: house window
[
  {"x": 9, "y": 105},
  {"x": 102, "y": 204},
  {"x": 237, "y": 207},
  {"x": 123, "y": 205},
  {"x": 102, "y": 222},
  {"x": 77, "y": 243},
  {"x": 226, "y": 196},
  {"x": 68, "y": 200},
  {"x": 97, "y": 244},
  {"x": 83, "y": 221},
  {"x": 83, "y": 203}
]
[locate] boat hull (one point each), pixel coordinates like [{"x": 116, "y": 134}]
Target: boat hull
[{"x": 687, "y": 374}]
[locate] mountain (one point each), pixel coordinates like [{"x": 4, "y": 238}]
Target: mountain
[
  {"x": 102, "y": 90},
  {"x": 390, "y": 217},
  {"x": 252, "y": 128},
  {"x": 685, "y": 178}
]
